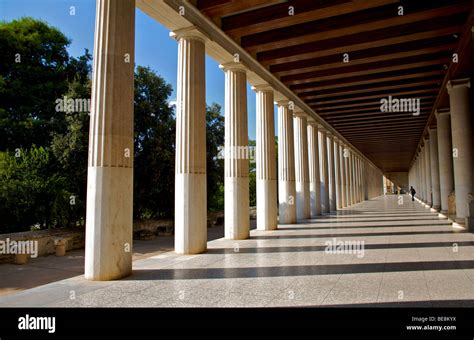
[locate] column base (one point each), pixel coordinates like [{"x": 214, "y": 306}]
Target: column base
[
  {"x": 266, "y": 204},
  {"x": 236, "y": 208},
  {"x": 109, "y": 223},
  {"x": 190, "y": 218},
  {"x": 303, "y": 209},
  {"x": 286, "y": 202}
]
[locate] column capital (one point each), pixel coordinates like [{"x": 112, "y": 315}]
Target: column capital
[
  {"x": 283, "y": 103},
  {"x": 322, "y": 128},
  {"x": 456, "y": 83},
  {"x": 191, "y": 32},
  {"x": 442, "y": 111},
  {"x": 262, "y": 88},
  {"x": 234, "y": 66},
  {"x": 301, "y": 114}
]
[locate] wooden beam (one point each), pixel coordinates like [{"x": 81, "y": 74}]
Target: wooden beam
[
  {"x": 361, "y": 71},
  {"x": 218, "y": 8},
  {"x": 360, "y": 22},
  {"x": 348, "y": 44},
  {"x": 365, "y": 57},
  {"x": 259, "y": 21}
]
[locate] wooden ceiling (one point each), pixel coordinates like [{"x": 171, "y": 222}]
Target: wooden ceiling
[{"x": 403, "y": 56}]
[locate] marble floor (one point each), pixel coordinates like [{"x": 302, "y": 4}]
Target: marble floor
[{"x": 383, "y": 252}]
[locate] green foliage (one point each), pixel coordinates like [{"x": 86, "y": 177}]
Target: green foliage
[
  {"x": 30, "y": 192},
  {"x": 215, "y": 166},
  {"x": 33, "y": 73},
  {"x": 154, "y": 146}
]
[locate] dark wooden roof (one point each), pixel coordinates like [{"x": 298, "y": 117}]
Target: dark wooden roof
[{"x": 403, "y": 56}]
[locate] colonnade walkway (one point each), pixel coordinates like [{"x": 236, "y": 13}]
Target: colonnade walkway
[{"x": 410, "y": 256}]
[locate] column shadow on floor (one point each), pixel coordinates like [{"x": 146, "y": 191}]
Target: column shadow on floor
[
  {"x": 256, "y": 272},
  {"x": 297, "y": 249}
]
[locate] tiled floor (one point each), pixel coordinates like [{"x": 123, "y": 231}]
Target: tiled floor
[{"x": 410, "y": 257}]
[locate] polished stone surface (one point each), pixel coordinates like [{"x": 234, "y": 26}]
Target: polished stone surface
[{"x": 411, "y": 257}]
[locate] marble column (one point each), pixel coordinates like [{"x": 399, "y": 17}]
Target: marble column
[
  {"x": 423, "y": 174},
  {"x": 461, "y": 132},
  {"x": 286, "y": 165},
  {"x": 109, "y": 215},
  {"x": 342, "y": 162},
  {"x": 190, "y": 181},
  {"x": 428, "y": 172},
  {"x": 303, "y": 205},
  {"x": 236, "y": 165},
  {"x": 353, "y": 179},
  {"x": 347, "y": 161},
  {"x": 266, "y": 160},
  {"x": 338, "y": 168},
  {"x": 332, "y": 173},
  {"x": 434, "y": 168},
  {"x": 314, "y": 176},
  {"x": 323, "y": 170},
  {"x": 445, "y": 157}
]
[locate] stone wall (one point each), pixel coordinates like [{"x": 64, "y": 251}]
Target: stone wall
[{"x": 74, "y": 238}]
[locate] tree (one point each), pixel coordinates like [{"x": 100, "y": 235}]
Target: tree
[
  {"x": 154, "y": 146},
  {"x": 33, "y": 73},
  {"x": 215, "y": 167}
]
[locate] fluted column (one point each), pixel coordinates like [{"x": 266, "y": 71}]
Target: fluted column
[
  {"x": 353, "y": 178},
  {"x": 236, "y": 166},
  {"x": 323, "y": 170},
  {"x": 357, "y": 179},
  {"x": 342, "y": 162},
  {"x": 301, "y": 165},
  {"x": 286, "y": 165},
  {"x": 314, "y": 176},
  {"x": 445, "y": 157},
  {"x": 423, "y": 174},
  {"x": 461, "y": 132},
  {"x": 428, "y": 171},
  {"x": 109, "y": 215},
  {"x": 266, "y": 160},
  {"x": 347, "y": 161},
  {"x": 338, "y": 168},
  {"x": 434, "y": 168},
  {"x": 332, "y": 173},
  {"x": 190, "y": 181}
]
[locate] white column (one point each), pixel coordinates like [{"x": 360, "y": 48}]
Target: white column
[
  {"x": 434, "y": 168},
  {"x": 286, "y": 165},
  {"x": 266, "y": 160},
  {"x": 314, "y": 176},
  {"x": 342, "y": 162},
  {"x": 445, "y": 157},
  {"x": 190, "y": 181},
  {"x": 323, "y": 170},
  {"x": 109, "y": 216},
  {"x": 332, "y": 173},
  {"x": 428, "y": 171},
  {"x": 423, "y": 174},
  {"x": 353, "y": 178},
  {"x": 303, "y": 210},
  {"x": 461, "y": 132},
  {"x": 347, "y": 161},
  {"x": 338, "y": 168},
  {"x": 236, "y": 166}
]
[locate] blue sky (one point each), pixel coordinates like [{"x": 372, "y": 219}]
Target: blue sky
[{"x": 153, "y": 46}]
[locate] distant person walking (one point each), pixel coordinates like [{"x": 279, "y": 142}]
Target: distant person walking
[{"x": 412, "y": 193}]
